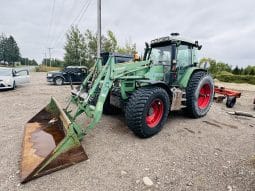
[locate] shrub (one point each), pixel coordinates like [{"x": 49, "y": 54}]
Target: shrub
[
  {"x": 236, "y": 78},
  {"x": 43, "y": 68},
  {"x": 225, "y": 73}
]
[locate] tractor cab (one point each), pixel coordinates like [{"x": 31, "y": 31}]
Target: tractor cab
[{"x": 175, "y": 54}]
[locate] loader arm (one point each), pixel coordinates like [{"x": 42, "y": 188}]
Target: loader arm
[{"x": 100, "y": 80}]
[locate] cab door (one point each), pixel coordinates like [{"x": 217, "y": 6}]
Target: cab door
[
  {"x": 21, "y": 77},
  {"x": 184, "y": 59},
  {"x": 77, "y": 75}
]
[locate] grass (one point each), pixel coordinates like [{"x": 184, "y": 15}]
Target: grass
[{"x": 43, "y": 68}]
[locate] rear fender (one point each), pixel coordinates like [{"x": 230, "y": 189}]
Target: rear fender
[{"x": 184, "y": 80}]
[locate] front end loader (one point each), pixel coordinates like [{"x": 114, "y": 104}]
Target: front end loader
[{"x": 166, "y": 79}]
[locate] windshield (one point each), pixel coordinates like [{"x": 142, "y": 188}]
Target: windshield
[
  {"x": 161, "y": 55},
  {"x": 5, "y": 72}
]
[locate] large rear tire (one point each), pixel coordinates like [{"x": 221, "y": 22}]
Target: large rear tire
[
  {"x": 199, "y": 94},
  {"x": 147, "y": 111}
]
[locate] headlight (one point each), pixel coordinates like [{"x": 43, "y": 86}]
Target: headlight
[
  {"x": 8, "y": 81},
  {"x": 49, "y": 75}
]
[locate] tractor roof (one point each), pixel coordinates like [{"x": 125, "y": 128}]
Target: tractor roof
[{"x": 173, "y": 39}]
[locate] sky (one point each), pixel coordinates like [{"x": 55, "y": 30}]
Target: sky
[{"x": 225, "y": 28}]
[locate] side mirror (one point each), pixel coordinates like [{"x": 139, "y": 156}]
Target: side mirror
[{"x": 204, "y": 65}]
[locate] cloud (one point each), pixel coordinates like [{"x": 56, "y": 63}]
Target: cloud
[{"x": 225, "y": 28}]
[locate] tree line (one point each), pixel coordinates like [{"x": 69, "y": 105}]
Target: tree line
[
  {"x": 81, "y": 48},
  {"x": 53, "y": 62},
  {"x": 10, "y": 52},
  {"x": 217, "y": 68}
]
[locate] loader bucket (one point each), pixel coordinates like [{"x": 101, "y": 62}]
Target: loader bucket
[{"x": 49, "y": 144}]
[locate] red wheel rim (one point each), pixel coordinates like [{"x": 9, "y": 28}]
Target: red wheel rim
[
  {"x": 204, "y": 96},
  {"x": 155, "y": 113}
]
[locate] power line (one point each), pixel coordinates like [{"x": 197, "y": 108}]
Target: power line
[
  {"x": 84, "y": 11},
  {"x": 51, "y": 21},
  {"x": 77, "y": 18},
  {"x": 57, "y": 17}
]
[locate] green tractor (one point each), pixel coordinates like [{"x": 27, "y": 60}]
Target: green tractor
[{"x": 166, "y": 79}]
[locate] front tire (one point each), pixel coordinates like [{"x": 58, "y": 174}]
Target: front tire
[
  {"x": 231, "y": 101},
  {"x": 13, "y": 85},
  {"x": 147, "y": 111},
  {"x": 58, "y": 81},
  {"x": 199, "y": 94}
]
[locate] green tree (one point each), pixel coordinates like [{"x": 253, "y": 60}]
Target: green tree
[
  {"x": 252, "y": 72},
  {"x": 109, "y": 43},
  {"x": 9, "y": 50},
  {"x": 34, "y": 63},
  {"x": 241, "y": 71},
  {"x": 57, "y": 63},
  {"x": 236, "y": 71},
  {"x": 82, "y": 48},
  {"x": 249, "y": 70},
  {"x": 12, "y": 49},
  {"x": 74, "y": 47},
  {"x": 2, "y": 46},
  {"x": 27, "y": 61},
  {"x": 212, "y": 64},
  {"x": 90, "y": 49},
  {"x": 216, "y": 67},
  {"x": 129, "y": 48}
]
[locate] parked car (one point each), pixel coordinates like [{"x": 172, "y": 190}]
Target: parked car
[
  {"x": 10, "y": 78},
  {"x": 77, "y": 74},
  {"x": 74, "y": 74}
]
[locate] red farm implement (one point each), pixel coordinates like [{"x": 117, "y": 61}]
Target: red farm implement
[{"x": 221, "y": 93}]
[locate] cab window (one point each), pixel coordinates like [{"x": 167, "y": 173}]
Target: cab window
[
  {"x": 161, "y": 55},
  {"x": 184, "y": 56}
]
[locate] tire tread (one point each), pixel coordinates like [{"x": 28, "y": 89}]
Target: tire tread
[{"x": 135, "y": 109}]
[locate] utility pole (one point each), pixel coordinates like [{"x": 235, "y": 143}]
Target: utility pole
[
  {"x": 80, "y": 58},
  {"x": 45, "y": 58},
  {"x": 98, "y": 28},
  {"x": 50, "y": 54}
]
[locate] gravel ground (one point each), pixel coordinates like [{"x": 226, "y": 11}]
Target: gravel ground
[{"x": 212, "y": 153}]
